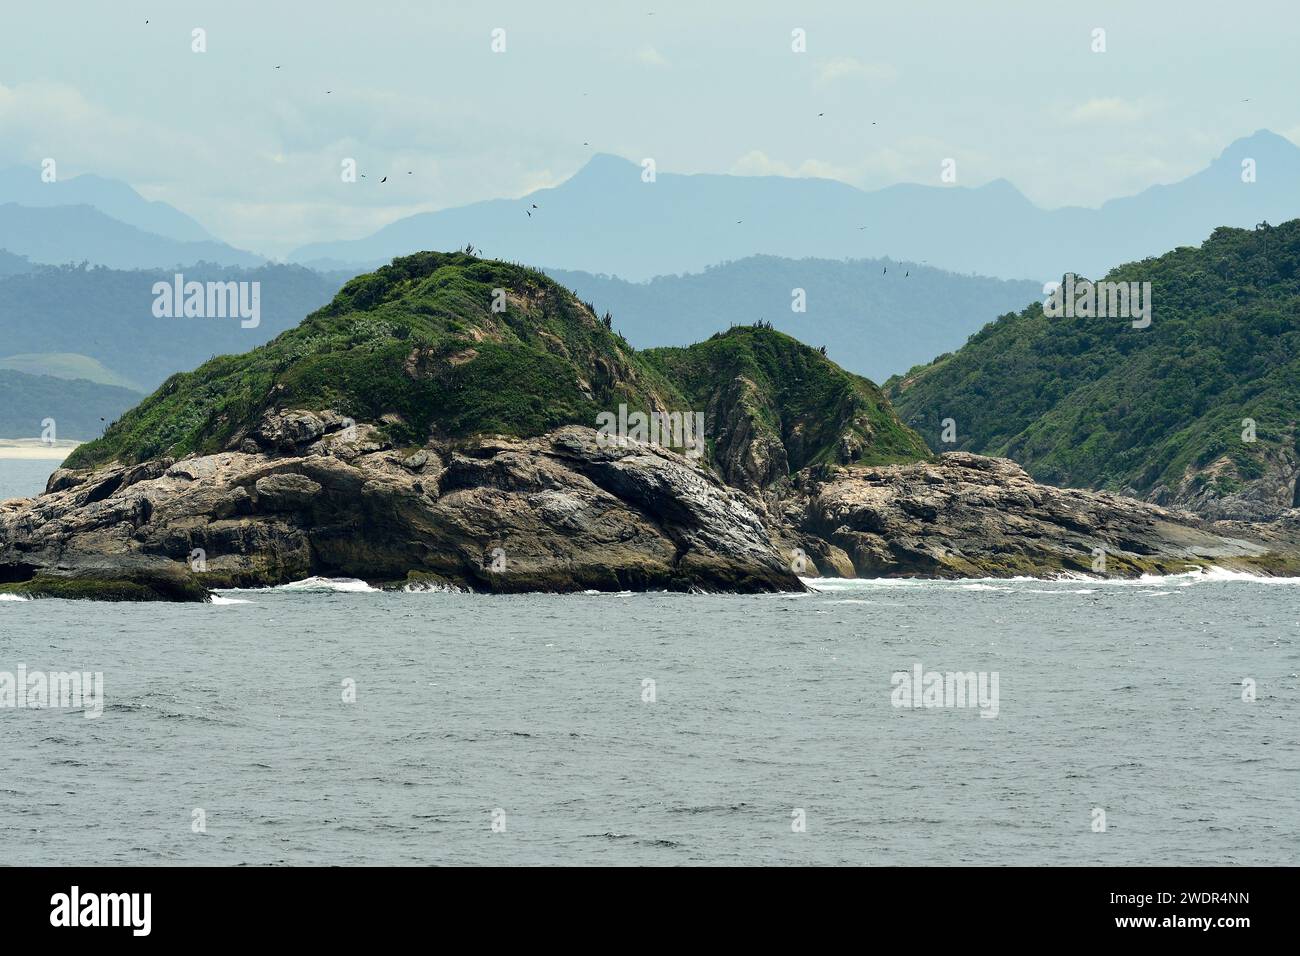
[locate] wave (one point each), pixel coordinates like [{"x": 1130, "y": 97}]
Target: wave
[
  {"x": 328, "y": 585},
  {"x": 218, "y": 599},
  {"x": 1213, "y": 574},
  {"x": 428, "y": 587},
  {"x": 14, "y": 597}
]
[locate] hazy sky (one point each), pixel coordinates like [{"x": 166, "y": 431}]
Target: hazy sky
[{"x": 1010, "y": 89}]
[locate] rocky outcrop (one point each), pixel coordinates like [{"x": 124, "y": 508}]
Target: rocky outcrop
[
  {"x": 965, "y": 515},
  {"x": 308, "y": 494},
  {"x": 319, "y": 496},
  {"x": 1220, "y": 492}
]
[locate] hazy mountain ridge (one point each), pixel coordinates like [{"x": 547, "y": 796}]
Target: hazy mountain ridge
[
  {"x": 606, "y": 219},
  {"x": 107, "y": 314},
  {"x": 56, "y": 235},
  {"x": 876, "y": 317},
  {"x": 23, "y": 185}
]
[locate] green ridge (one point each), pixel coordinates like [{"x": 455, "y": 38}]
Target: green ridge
[{"x": 1094, "y": 402}]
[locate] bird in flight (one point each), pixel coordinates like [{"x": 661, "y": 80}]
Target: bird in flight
[
  {"x": 885, "y": 270},
  {"x": 384, "y": 180}
]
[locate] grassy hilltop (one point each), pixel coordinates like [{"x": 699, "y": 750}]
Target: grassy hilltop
[{"x": 417, "y": 349}]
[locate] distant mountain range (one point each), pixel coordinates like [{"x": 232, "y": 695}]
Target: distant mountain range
[
  {"x": 71, "y": 320},
  {"x": 23, "y": 185},
  {"x": 63, "y": 234},
  {"x": 876, "y": 317},
  {"x": 76, "y": 406},
  {"x": 606, "y": 219},
  {"x": 69, "y": 365}
]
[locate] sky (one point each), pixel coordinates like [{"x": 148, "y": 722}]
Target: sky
[{"x": 1010, "y": 90}]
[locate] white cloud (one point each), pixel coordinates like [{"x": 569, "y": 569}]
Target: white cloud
[
  {"x": 650, "y": 56},
  {"x": 1108, "y": 111},
  {"x": 758, "y": 163},
  {"x": 850, "y": 68}
]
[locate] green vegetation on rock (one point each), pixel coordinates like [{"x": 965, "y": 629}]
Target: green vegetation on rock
[
  {"x": 753, "y": 379},
  {"x": 1094, "y": 402},
  {"x": 418, "y": 349}
]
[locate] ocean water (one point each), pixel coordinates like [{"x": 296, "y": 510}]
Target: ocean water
[
  {"x": 531, "y": 711},
  {"x": 22, "y": 478}
]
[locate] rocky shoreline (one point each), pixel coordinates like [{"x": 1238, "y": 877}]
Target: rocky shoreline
[{"x": 316, "y": 494}]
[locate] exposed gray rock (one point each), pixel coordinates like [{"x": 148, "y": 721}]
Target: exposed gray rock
[
  {"x": 964, "y": 515},
  {"x": 562, "y": 512}
]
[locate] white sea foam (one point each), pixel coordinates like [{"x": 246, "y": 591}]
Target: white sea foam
[
  {"x": 218, "y": 599},
  {"x": 14, "y": 597},
  {"x": 430, "y": 587},
  {"x": 349, "y": 585},
  {"x": 1210, "y": 575}
]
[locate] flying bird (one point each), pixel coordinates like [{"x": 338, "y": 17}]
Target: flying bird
[
  {"x": 384, "y": 180},
  {"x": 534, "y": 205},
  {"x": 886, "y": 269}
]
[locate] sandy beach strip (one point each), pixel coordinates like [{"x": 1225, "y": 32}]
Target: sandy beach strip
[{"x": 33, "y": 449}]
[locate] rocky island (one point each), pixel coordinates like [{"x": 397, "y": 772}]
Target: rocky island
[{"x": 436, "y": 425}]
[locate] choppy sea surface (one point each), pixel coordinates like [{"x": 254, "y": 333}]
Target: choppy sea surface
[{"x": 523, "y": 729}]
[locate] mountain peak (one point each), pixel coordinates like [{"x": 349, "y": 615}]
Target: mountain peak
[
  {"x": 603, "y": 168},
  {"x": 1262, "y": 142}
]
